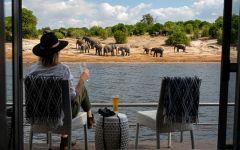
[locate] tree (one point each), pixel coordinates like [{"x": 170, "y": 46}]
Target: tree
[
  {"x": 213, "y": 31},
  {"x": 140, "y": 28},
  {"x": 29, "y": 22},
  {"x": 178, "y": 37},
  {"x": 219, "y": 22},
  {"x": 205, "y": 31},
  {"x": 119, "y": 27},
  {"x": 189, "y": 28},
  {"x": 95, "y": 30},
  {"x": 130, "y": 29},
  {"x": 155, "y": 28},
  {"x": 8, "y": 28},
  {"x": 234, "y": 32},
  {"x": 76, "y": 32},
  {"x": 59, "y": 35},
  {"x": 120, "y": 37},
  {"x": 63, "y": 31},
  {"x": 103, "y": 34},
  {"x": 169, "y": 26},
  {"x": 148, "y": 19}
]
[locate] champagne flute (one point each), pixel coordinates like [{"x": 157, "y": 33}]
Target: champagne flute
[{"x": 83, "y": 67}]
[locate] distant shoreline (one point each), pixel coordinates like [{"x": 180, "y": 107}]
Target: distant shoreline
[{"x": 200, "y": 51}]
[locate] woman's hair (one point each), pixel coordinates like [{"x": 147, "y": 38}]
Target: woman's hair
[{"x": 49, "y": 60}]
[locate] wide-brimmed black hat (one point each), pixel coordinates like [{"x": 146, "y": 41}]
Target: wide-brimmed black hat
[{"x": 49, "y": 45}]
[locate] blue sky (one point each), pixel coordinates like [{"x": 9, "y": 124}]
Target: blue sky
[{"x": 86, "y": 13}]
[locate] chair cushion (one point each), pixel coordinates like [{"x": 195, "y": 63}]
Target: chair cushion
[
  {"x": 148, "y": 119},
  {"x": 77, "y": 122},
  {"x": 80, "y": 119}
]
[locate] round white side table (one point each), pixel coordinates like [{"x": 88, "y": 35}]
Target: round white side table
[{"x": 113, "y": 131}]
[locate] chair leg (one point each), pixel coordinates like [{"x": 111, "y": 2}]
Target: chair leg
[
  {"x": 181, "y": 137},
  {"x": 70, "y": 141},
  {"x": 169, "y": 139},
  {"x": 30, "y": 139},
  {"x": 85, "y": 137},
  {"x": 49, "y": 136},
  {"x": 158, "y": 139},
  {"x": 137, "y": 134},
  {"x": 192, "y": 139}
]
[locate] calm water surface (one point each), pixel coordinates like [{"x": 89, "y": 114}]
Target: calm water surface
[{"x": 141, "y": 83}]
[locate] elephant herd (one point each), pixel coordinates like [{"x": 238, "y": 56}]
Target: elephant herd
[
  {"x": 87, "y": 43},
  {"x": 160, "y": 32}
]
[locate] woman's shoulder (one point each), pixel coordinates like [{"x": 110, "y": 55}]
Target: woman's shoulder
[{"x": 63, "y": 67}]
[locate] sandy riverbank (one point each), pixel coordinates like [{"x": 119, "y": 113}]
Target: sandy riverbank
[{"x": 202, "y": 50}]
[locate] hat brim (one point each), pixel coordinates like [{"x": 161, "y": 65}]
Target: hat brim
[{"x": 39, "y": 51}]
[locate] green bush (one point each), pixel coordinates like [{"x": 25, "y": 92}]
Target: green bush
[
  {"x": 155, "y": 28},
  {"x": 214, "y": 31},
  {"x": 120, "y": 37},
  {"x": 189, "y": 29},
  {"x": 178, "y": 37},
  {"x": 8, "y": 36},
  {"x": 59, "y": 35},
  {"x": 119, "y": 27},
  {"x": 140, "y": 28},
  {"x": 103, "y": 34},
  {"x": 95, "y": 30},
  {"x": 196, "y": 34},
  {"x": 205, "y": 31},
  {"x": 219, "y": 40},
  {"x": 76, "y": 32}
]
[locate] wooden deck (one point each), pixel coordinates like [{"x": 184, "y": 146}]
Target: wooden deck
[{"x": 200, "y": 144}]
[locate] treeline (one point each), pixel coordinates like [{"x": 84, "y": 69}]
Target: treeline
[{"x": 181, "y": 32}]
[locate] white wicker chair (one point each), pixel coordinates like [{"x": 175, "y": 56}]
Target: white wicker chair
[
  {"x": 155, "y": 119},
  {"x": 68, "y": 122}
]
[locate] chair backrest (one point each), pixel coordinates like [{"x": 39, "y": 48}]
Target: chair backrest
[
  {"x": 47, "y": 101},
  {"x": 179, "y": 100}
]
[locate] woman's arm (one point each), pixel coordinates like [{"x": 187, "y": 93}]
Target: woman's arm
[{"x": 83, "y": 77}]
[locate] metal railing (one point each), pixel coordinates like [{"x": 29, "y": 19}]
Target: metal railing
[{"x": 152, "y": 105}]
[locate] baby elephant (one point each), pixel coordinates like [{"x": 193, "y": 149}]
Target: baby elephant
[
  {"x": 157, "y": 50},
  {"x": 179, "y": 46},
  {"x": 146, "y": 50},
  {"x": 124, "y": 51}
]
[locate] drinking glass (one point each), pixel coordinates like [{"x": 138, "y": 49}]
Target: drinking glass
[{"x": 115, "y": 101}]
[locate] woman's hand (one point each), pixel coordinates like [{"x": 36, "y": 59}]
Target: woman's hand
[{"x": 84, "y": 75}]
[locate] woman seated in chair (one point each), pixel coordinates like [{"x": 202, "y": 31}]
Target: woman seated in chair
[{"x": 49, "y": 65}]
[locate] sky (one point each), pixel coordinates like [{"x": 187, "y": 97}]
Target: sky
[{"x": 87, "y": 13}]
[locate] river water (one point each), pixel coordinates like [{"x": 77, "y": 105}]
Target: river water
[{"x": 140, "y": 82}]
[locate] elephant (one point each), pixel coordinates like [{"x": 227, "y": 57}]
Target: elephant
[
  {"x": 156, "y": 33},
  {"x": 146, "y": 50},
  {"x": 86, "y": 39},
  {"x": 157, "y": 50},
  {"x": 85, "y": 47},
  {"x": 109, "y": 48},
  {"x": 79, "y": 43},
  {"x": 179, "y": 46},
  {"x": 98, "y": 49},
  {"x": 124, "y": 50},
  {"x": 164, "y": 32}
]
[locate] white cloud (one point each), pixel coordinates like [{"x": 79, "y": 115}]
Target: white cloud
[
  {"x": 82, "y": 13},
  {"x": 200, "y": 9},
  {"x": 170, "y": 13},
  {"x": 118, "y": 11}
]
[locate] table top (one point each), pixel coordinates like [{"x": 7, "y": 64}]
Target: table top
[{"x": 114, "y": 118}]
